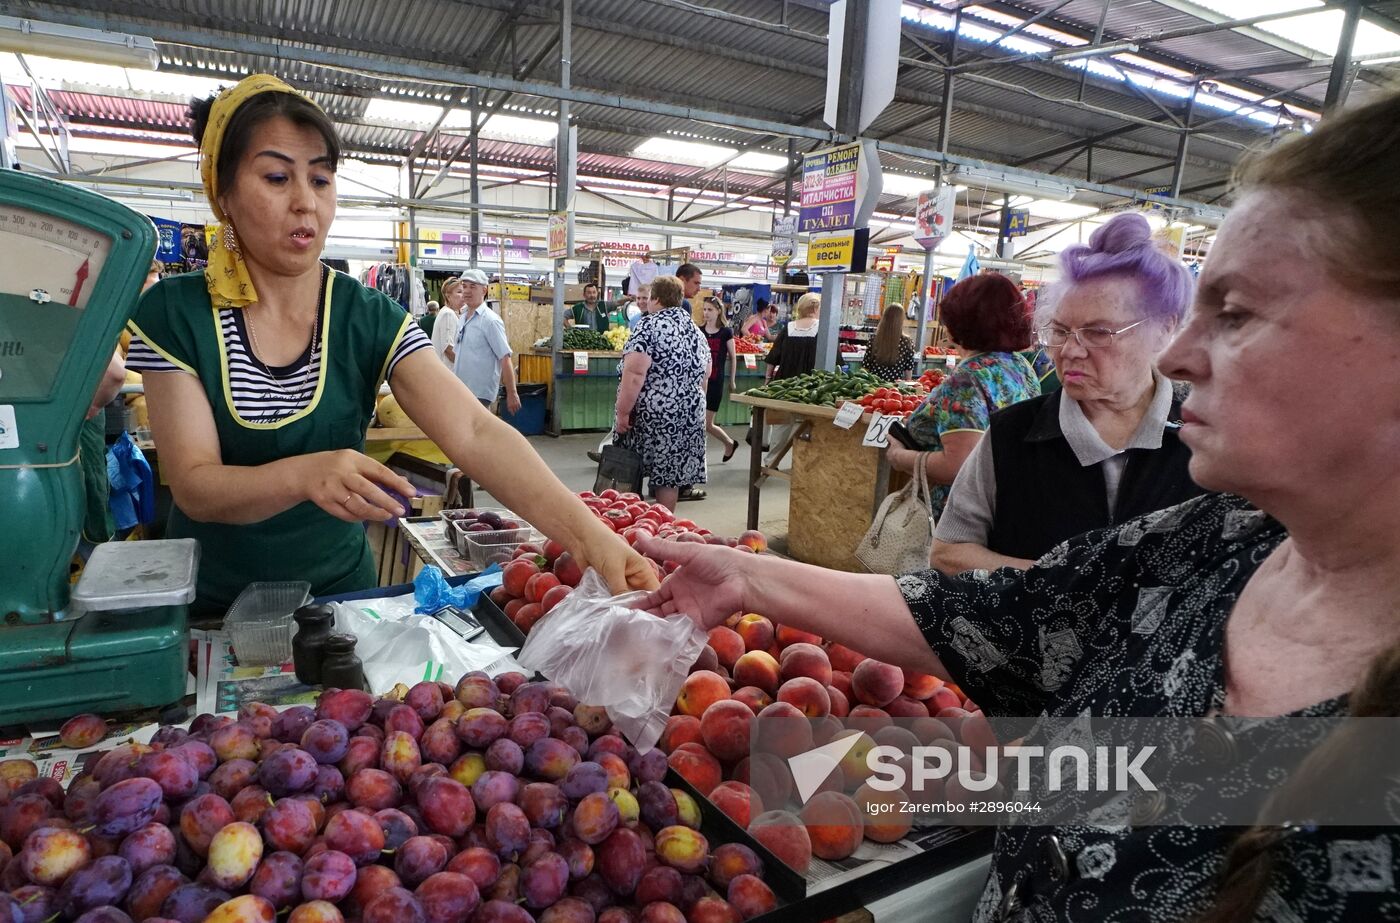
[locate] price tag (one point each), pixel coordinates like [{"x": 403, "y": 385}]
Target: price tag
[
  {"x": 750, "y": 361},
  {"x": 580, "y": 363},
  {"x": 877, "y": 435},
  {"x": 849, "y": 413}
]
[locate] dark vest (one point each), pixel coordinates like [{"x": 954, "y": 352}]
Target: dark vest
[{"x": 1043, "y": 494}]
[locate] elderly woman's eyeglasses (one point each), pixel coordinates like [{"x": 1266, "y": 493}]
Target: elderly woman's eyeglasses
[{"x": 1053, "y": 336}]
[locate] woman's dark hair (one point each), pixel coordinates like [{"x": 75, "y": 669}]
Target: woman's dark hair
[
  {"x": 987, "y": 313},
  {"x": 294, "y": 107},
  {"x": 884, "y": 348},
  {"x": 1346, "y": 167}
]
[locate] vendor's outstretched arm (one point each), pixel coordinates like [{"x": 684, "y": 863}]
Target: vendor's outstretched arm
[
  {"x": 498, "y": 457},
  {"x": 863, "y": 611},
  {"x": 207, "y": 490}
]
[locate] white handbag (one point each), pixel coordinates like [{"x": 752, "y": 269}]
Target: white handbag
[{"x": 901, "y": 537}]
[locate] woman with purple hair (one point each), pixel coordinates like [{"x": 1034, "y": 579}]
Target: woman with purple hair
[{"x": 1103, "y": 449}]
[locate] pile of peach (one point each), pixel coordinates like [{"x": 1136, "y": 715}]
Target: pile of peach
[{"x": 753, "y": 669}]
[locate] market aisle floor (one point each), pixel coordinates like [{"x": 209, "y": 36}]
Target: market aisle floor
[{"x": 723, "y": 512}]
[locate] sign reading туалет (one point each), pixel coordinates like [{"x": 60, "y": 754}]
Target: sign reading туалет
[{"x": 829, "y": 189}]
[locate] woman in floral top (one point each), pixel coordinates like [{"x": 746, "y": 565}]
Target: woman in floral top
[
  {"x": 986, "y": 317},
  {"x": 1278, "y": 596}
]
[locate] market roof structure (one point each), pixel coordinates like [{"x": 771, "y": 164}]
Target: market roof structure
[{"x": 1127, "y": 96}]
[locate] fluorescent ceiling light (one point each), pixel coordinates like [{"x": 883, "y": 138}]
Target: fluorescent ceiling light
[
  {"x": 398, "y": 110},
  {"x": 1321, "y": 31},
  {"x": 904, "y": 185},
  {"x": 1076, "y": 54},
  {"x": 1052, "y": 209},
  {"x": 29, "y": 36},
  {"x": 757, "y": 160},
  {"x": 57, "y": 73},
  {"x": 673, "y": 150},
  {"x": 1002, "y": 181},
  {"x": 515, "y": 128},
  {"x": 674, "y": 231},
  {"x": 1208, "y": 215}
]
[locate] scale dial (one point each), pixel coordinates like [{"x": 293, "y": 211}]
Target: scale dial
[
  {"x": 48, "y": 259},
  {"x": 49, "y": 267}
]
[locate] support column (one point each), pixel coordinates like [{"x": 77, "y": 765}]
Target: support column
[
  {"x": 1179, "y": 169},
  {"x": 787, "y": 180},
  {"x": 475, "y": 189},
  {"x": 945, "y": 117},
  {"x": 563, "y": 158},
  {"x": 921, "y": 332},
  {"x": 848, "y": 103},
  {"x": 1337, "y": 82}
]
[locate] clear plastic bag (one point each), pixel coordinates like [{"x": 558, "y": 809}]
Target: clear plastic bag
[
  {"x": 399, "y": 646},
  {"x": 608, "y": 653}
]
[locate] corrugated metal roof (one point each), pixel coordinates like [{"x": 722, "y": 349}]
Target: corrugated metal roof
[{"x": 661, "y": 50}]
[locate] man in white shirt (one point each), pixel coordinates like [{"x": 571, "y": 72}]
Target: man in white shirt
[
  {"x": 482, "y": 354},
  {"x": 445, "y": 327},
  {"x": 641, "y": 273}
]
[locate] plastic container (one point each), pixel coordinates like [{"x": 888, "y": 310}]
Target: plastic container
[
  {"x": 448, "y": 517},
  {"x": 460, "y": 536},
  {"x": 260, "y": 621},
  {"x": 478, "y": 547}
]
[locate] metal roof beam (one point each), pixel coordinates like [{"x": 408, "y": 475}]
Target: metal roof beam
[{"x": 433, "y": 73}]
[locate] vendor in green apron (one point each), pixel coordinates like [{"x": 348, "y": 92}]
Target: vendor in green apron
[{"x": 261, "y": 375}]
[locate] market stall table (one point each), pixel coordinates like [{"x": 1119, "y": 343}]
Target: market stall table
[{"x": 837, "y": 483}]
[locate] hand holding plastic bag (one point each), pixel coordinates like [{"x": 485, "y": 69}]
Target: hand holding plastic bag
[{"x": 609, "y": 653}]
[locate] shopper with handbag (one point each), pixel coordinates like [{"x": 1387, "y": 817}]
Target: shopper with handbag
[
  {"x": 661, "y": 401},
  {"x": 1106, "y": 447},
  {"x": 986, "y": 318}
]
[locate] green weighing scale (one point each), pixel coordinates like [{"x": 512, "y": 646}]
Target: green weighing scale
[{"x": 71, "y": 267}]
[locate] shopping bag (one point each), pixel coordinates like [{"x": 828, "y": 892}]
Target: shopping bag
[
  {"x": 607, "y": 652},
  {"x": 901, "y": 537},
  {"x": 620, "y": 468}
]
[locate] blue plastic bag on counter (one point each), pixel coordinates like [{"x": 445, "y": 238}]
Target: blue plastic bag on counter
[{"x": 431, "y": 591}]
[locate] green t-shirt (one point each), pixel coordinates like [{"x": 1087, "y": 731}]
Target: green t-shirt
[{"x": 426, "y": 322}]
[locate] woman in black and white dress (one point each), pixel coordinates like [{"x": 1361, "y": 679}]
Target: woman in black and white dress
[{"x": 661, "y": 402}]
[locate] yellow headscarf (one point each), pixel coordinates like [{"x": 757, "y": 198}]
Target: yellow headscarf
[{"x": 226, "y": 275}]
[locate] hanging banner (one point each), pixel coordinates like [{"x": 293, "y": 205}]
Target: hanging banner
[
  {"x": 560, "y": 235},
  {"x": 168, "y": 240},
  {"x": 784, "y": 239},
  {"x": 840, "y": 187},
  {"x": 935, "y": 215}
]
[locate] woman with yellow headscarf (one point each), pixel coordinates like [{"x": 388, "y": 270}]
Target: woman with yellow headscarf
[{"x": 261, "y": 375}]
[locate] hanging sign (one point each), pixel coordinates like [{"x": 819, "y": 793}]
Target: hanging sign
[
  {"x": 750, "y": 361},
  {"x": 580, "y": 363},
  {"x": 935, "y": 215},
  {"x": 784, "y": 239},
  {"x": 884, "y": 264},
  {"x": 844, "y": 252},
  {"x": 1016, "y": 223},
  {"x": 840, "y": 187},
  {"x": 560, "y": 234}
]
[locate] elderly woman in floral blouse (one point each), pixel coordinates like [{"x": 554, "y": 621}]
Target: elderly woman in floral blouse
[
  {"x": 987, "y": 319},
  {"x": 1278, "y": 596}
]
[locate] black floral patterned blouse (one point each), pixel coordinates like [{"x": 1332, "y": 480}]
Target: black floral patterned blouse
[{"x": 1129, "y": 622}]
